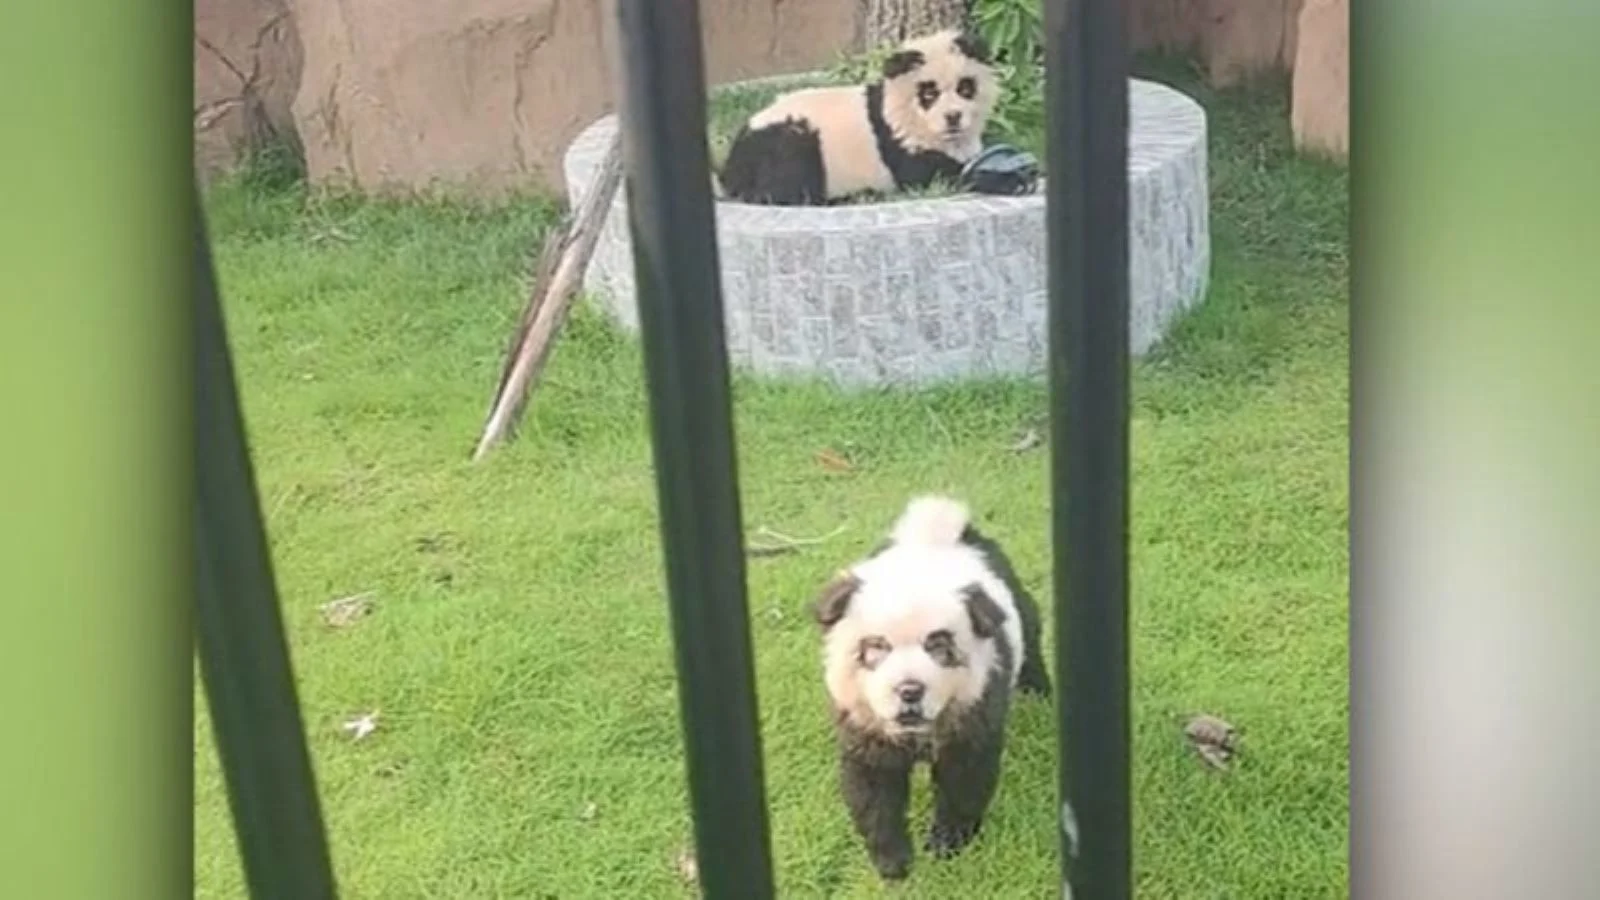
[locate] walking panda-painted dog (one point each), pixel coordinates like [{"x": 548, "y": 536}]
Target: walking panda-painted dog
[
  {"x": 922, "y": 121},
  {"x": 924, "y": 644}
]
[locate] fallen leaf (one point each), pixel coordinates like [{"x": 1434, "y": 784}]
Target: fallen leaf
[
  {"x": 345, "y": 611},
  {"x": 362, "y": 725},
  {"x": 1215, "y": 757},
  {"x": 833, "y": 461},
  {"x": 688, "y": 866},
  {"x": 1213, "y": 739},
  {"x": 433, "y": 543},
  {"x": 1029, "y": 440}
]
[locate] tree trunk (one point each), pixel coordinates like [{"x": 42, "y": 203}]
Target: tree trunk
[{"x": 894, "y": 21}]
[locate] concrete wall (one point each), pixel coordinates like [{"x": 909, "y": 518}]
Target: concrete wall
[
  {"x": 1234, "y": 39},
  {"x": 484, "y": 95},
  {"x": 247, "y": 66},
  {"x": 1321, "y": 116}
]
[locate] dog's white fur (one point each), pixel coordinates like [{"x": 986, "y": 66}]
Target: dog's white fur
[{"x": 910, "y": 590}]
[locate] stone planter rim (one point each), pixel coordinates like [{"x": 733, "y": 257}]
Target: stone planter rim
[
  {"x": 810, "y": 217},
  {"x": 979, "y": 302}
]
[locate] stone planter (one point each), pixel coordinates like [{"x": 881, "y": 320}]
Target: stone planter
[{"x": 919, "y": 291}]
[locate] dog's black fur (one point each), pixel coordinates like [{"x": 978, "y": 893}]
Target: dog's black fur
[
  {"x": 965, "y": 747},
  {"x": 779, "y": 164}
]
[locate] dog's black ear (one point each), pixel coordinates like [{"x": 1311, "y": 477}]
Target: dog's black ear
[
  {"x": 834, "y": 601},
  {"x": 901, "y": 62},
  {"x": 973, "y": 47},
  {"x": 986, "y": 615}
]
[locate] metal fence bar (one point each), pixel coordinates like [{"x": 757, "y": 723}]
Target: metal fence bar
[
  {"x": 671, "y": 219},
  {"x": 244, "y": 658},
  {"x": 1086, "y": 56}
]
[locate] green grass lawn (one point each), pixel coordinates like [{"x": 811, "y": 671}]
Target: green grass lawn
[{"x": 518, "y": 650}]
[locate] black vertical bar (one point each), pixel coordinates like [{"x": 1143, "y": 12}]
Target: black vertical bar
[
  {"x": 1086, "y": 57},
  {"x": 244, "y": 658},
  {"x": 679, "y": 291}
]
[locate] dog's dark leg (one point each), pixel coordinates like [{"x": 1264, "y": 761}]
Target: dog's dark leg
[
  {"x": 965, "y": 774},
  {"x": 877, "y": 790},
  {"x": 1034, "y": 676}
]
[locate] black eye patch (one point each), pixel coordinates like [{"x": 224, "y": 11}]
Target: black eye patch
[
  {"x": 941, "y": 646},
  {"x": 966, "y": 88},
  {"x": 871, "y": 651},
  {"x": 927, "y": 93}
]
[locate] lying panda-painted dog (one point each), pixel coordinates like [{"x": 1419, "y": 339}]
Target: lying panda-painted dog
[
  {"x": 924, "y": 644},
  {"x": 923, "y": 121}
]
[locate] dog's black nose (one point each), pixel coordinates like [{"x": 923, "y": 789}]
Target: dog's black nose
[
  {"x": 953, "y": 119},
  {"x": 911, "y": 691}
]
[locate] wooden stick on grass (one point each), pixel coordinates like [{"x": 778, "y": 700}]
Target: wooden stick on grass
[{"x": 560, "y": 270}]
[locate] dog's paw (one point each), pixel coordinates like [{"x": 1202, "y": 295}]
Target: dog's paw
[
  {"x": 946, "y": 839},
  {"x": 893, "y": 864},
  {"x": 1033, "y": 683}
]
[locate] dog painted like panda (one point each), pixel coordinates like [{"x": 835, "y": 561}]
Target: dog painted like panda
[
  {"x": 923, "y": 121},
  {"x": 924, "y": 644}
]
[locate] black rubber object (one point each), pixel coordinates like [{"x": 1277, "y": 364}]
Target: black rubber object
[{"x": 1001, "y": 169}]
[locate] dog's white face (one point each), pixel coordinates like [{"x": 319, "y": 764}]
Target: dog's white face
[
  {"x": 906, "y": 642},
  {"x": 938, "y": 92}
]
